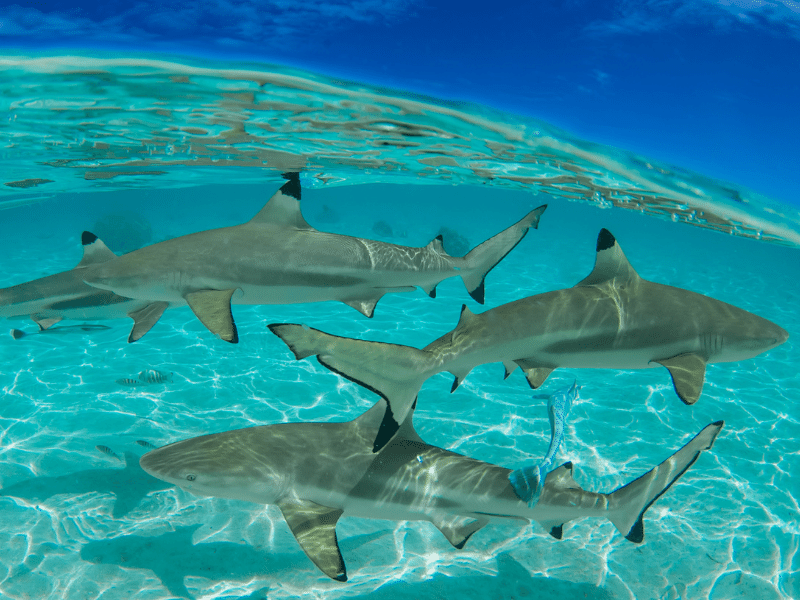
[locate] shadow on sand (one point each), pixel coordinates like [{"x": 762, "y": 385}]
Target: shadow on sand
[
  {"x": 229, "y": 561},
  {"x": 129, "y": 485}
]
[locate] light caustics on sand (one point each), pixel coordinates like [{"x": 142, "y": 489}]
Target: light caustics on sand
[{"x": 78, "y": 123}]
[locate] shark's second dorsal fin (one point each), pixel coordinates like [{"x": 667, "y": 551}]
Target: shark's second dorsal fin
[
  {"x": 437, "y": 245},
  {"x": 610, "y": 262},
  {"x": 314, "y": 527},
  {"x": 284, "y": 207},
  {"x": 94, "y": 251}
]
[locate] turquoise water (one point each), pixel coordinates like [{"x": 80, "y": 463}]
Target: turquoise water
[{"x": 81, "y": 523}]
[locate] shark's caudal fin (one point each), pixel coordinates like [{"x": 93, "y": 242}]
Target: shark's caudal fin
[
  {"x": 483, "y": 258},
  {"x": 627, "y": 505},
  {"x": 394, "y": 372}
]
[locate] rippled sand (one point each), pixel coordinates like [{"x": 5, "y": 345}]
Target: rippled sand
[{"x": 79, "y": 523}]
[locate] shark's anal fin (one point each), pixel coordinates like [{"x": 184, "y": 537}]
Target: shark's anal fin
[
  {"x": 365, "y": 307},
  {"x": 213, "y": 308},
  {"x": 314, "y": 527},
  {"x": 458, "y": 529},
  {"x": 45, "y": 323},
  {"x": 534, "y": 373},
  {"x": 688, "y": 374},
  {"x": 145, "y": 318}
]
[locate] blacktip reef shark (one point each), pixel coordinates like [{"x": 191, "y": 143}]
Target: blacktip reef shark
[
  {"x": 318, "y": 472},
  {"x": 278, "y": 258},
  {"x": 612, "y": 319},
  {"x": 82, "y": 329},
  {"x": 50, "y": 299}
]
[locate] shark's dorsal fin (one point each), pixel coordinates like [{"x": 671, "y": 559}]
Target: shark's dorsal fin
[
  {"x": 213, "y": 308},
  {"x": 610, "y": 262},
  {"x": 45, "y": 323},
  {"x": 437, "y": 245},
  {"x": 284, "y": 207},
  {"x": 94, "y": 251},
  {"x": 561, "y": 478},
  {"x": 314, "y": 528},
  {"x": 688, "y": 374},
  {"x": 534, "y": 373},
  {"x": 464, "y": 319},
  {"x": 458, "y": 529},
  {"x": 145, "y": 318}
]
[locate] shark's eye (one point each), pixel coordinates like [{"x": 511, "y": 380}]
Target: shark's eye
[{"x": 190, "y": 478}]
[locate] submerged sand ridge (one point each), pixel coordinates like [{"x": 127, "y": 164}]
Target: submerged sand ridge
[{"x": 78, "y": 123}]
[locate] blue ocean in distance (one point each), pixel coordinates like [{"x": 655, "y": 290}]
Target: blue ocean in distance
[{"x": 80, "y": 523}]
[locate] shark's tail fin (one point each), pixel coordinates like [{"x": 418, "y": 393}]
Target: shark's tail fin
[
  {"x": 18, "y": 334},
  {"x": 483, "y": 258},
  {"x": 394, "y": 372},
  {"x": 627, "y": 505}
]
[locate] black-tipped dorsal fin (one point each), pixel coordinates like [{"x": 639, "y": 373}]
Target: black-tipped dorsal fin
[
  {"x": 284, "y": 207},
  {"x": 437, "y": 245},
  {"x": 314, "y": 528},
  {"x": 610, "y": 262},
  {"x": 94, "y": 251},
  {"x": 561, "y": 478},
  {"x": 465, "y": 318}
]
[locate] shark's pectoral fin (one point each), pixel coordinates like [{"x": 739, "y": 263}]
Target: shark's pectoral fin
[
  {"x": 688, "y": 374},
  {"x": 314, "y": 527},
  {"x": 145, "y": 318},
  {"x": 534, "y": 373},
  {"x": 458, "y": 529},
  {"x": 45, "y": 323},
  {"x": 213, "y": 308}
]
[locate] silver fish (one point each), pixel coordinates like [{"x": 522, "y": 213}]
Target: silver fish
[{"x": 151, "y": 376}]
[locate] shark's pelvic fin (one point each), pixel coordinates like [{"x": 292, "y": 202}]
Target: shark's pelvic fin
[
  {"x": 484, "y": 257},
  {"x": 688, "y": 375},
  {"x": 213, "y": 308},
  {"x": 534, "y": 373},
  {"x": 458, "y": 529},
  {"x": 45, "y": 323},
  {"x": 145, "y": 318},
  {"x": 284, "y": 207},
  {"x": 627, "y": 505},
  {"x": 94, "y": 251},
  {"x": 610, "y": 262},
  {"x": 314, "y": 527}
]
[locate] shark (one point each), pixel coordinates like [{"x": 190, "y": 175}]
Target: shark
[
  {"x": 317, "y": 473},
  {"x": 278, "y": 258},
  {"x": 612, "y": 319},
  {"x": 49, "y": 300}
]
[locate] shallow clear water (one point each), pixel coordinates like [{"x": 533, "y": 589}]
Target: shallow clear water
[{"x": 80, "y": 523}]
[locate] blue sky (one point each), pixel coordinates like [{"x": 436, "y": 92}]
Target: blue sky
[{"x": 711, "y": 85}]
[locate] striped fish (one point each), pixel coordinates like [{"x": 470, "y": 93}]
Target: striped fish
[
  {"x": 109, "y": 451},
  {"x": 146, "y": 444},
  {"x": 130, "y": 382},
  {"x": 151, "y": 376}
]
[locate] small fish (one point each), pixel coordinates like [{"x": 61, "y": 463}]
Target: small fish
[
  {"x": 130, "y": 382},
  {"x": 18, "y": 334},
  {"x": 145, "y": 444},
  {"x": 109, "y": 451},
  {"x": 531, "y": 479},
  {"x": 152, "y": 376},
  {"x": 147, "y": 377}
]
